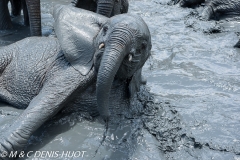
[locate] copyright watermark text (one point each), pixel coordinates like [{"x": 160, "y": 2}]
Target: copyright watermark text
[{"x": 43, "y": 154}]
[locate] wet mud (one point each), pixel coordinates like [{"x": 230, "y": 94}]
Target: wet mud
[{"x": 189, "y": 108}]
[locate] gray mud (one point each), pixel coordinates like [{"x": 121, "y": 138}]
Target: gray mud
[{"x": 189, "y": 108}]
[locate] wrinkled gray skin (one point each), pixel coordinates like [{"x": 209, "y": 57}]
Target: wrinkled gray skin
[
  {"x": 107, "y": 8},
  {"x": 31, "y": 11},
  {"x": 43, "y": 74}
]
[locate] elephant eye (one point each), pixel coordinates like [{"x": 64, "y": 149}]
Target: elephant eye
[
  {"x": 105, "y": 29},
  {"x": 144, "y": 45}
]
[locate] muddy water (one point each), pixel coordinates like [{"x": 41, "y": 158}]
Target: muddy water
[{"x": 196, "y": 72}]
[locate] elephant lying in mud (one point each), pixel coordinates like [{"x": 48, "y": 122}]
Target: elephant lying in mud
[
  {"x": 89, "y": 54},
  {"x": 219, "y": 9},
  {"x": 107, "y": 8},
  {"x": 214, "y": 9},
  {"x": 31, "y": 10}
]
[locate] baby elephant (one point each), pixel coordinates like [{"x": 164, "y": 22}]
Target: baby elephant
[
  {"x": 107, "y": 8},
  {"x": 46, "y": 74}
]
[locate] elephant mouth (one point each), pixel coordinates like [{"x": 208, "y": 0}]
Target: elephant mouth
[{"x": 98, "y": 55}]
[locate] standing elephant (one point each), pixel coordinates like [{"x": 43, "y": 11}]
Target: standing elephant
[
  {"x": 107, "y": 8},
  {"x": 31, "y": 10},
  {"x": 89, "y": 54}
]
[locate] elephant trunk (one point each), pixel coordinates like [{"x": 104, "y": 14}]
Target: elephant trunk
[
  {"x": 207, "y": 13},
  {"x": 125, "y": 6},
  {"x": 114, "y": 54},
  {"x": 105, "y": 7},
  {"x": 34, "y": 11}
]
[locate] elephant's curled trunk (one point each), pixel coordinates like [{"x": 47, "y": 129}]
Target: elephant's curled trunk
[
  {"x": 207, "y": 13},
  {"x": 115, "y": 51}
]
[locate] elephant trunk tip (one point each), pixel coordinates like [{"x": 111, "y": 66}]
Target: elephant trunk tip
[{"x": 207, "y": 13}]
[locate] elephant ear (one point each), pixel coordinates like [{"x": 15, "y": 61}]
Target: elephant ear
[
  {"x": 75, "y": 29},
  {"x": 135, "y": 83}
]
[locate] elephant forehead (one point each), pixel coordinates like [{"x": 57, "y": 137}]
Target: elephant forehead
[{"x": 132, "y": 21}]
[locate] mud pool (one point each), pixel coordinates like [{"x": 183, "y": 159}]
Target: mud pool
[{"x": 193, "y": 76}]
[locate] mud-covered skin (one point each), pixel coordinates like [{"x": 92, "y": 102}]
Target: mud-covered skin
[
  {"x": 31, "y": 10},
  {"x": 43, "y": 74},
  {"x": 107, "y": 8}
]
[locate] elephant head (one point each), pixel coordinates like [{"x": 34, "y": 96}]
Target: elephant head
[
  {"x": 116, "y": 47},
  {"x": 124, "y": 43}
]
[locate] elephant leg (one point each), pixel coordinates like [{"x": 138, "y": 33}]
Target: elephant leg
[
  {"x": 34, "y": 12},
  {"x": 25, "y": 13},
  {"x": 16, "y": 7},
  {"x": 51, "y": 99},
  {"x": 5, "y": 19}
]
